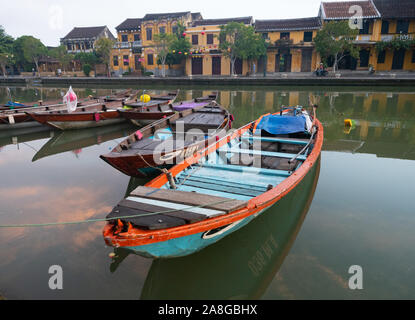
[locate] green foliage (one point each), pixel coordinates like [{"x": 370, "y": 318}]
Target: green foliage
[
  {"x": 335, "y": 39},
  {"x": 6, "y": 50},
  {"x": 240, "y": 41},
  {"x": 394, "y": 44},
  {"x": 33, "y": 50},
  {"x": 86, "y": 68},
  {"x": 180, "y": 44},
  {"x": 103, "y": 49},
  {"x": 62, "y": 56},
  {"x": 90, "y": 58}
]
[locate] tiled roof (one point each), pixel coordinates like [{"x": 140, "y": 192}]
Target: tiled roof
[
  {"x": 86, "y": 32},
  {"x": 130, "y": 24},
  {"x": 396, "y": 8},
  {"x": 340, "y": 10},
  {"x": 196, "y": 16},
  {"x": 288, "y": 24},
  {"x": 215, "y": 22},
  {"x": 169, "y": 15}
]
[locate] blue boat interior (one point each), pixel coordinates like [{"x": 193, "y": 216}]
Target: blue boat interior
[{"x": 244, "y": 168}]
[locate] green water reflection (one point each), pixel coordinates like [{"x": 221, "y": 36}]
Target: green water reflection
[{"x": 362, "y": 212}]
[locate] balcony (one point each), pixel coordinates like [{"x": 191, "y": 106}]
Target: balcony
[
  {"x": 363, "y": 38},
  {"x": 127, "y": 45},
  {"x": 137, "y": 44}
]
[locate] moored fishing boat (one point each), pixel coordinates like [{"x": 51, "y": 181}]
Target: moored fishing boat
[
  {"x": 218, "y": 190},
  {"x": 18, "y": 118},
  {"x": 148, "y": 100},
  {"x": 145, "y": 115},
  {"x": 94, "y": 115},
  {"x": 169, "y": 140}
]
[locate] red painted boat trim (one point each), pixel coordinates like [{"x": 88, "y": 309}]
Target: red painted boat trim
[{"x": 137, "y": 237}]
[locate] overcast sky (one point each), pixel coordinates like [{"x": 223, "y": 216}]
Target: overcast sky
[{"x": 50, "y": 20}]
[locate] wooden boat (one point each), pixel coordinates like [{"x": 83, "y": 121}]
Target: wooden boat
[
  {"x": 169, "y": 140},
  {"x": 18, "y": 118},
  {"x": 255, "y": 254},
  {"x": 64, "y": 141},
  {"x": 40, "y": 104},
  {"x": 145, "y": 115},
  {"x": 216, "y": 191},
  {"x": 94, "y": 115},
  {"x": 155, "y": 99}
]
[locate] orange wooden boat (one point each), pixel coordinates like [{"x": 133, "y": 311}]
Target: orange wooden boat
[{"x": 220, "y": 189}]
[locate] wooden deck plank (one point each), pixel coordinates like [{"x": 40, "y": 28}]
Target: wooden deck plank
[
  {"x": 190, "y": 217},
  {"x": 265, "y": 153},
  {"x": 279, "y": 140},
  {"x": 189, "y": 198}
]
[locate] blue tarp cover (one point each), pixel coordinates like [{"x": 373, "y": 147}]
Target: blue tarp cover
[
  {"x": 276, "y": 124},
  {"x": 14, "y": 104}
]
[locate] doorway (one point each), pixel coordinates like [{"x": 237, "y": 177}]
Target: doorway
[
  {"x": 197, "y": 66},
  {"x": 306, "y": 58},
  {"x": 216, "y": 65},
  {"x": 398, "y": 59}
]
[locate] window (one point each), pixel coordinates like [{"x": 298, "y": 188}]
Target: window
[
  {"x": 365, "y": 27},
  {"x": 149, "y": 33},
  {"x": 175, "y": 29},
  {"x": 308, "y": 36},
  {"x": 382, "y": 56},
  {"x": 136, "y": 37},
  {"x": 162, "y": 30},
  {"x": 126, "y": 60},
  {"x": 285, "y": 35},
  {"x": 124, "y": 38},
  {"x": 385, "y": 27},
  {"x": 150, "y": 59},
  {"x": 402, "y": 27},
  {"x": 195, "y": 39},
  {"x": 69, "y": 47},
  {"x": 209, "y": 38},
  {"x": 413, "y": 56},
  {"x": 115, "y": 61},
  {"x": 265, "y": 35}
]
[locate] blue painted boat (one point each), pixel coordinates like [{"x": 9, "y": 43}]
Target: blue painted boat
[{"x": 220, "y": 189}]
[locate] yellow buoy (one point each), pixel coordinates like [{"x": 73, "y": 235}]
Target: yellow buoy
[
  {"x": 348, "y": 122},
  {"x": 145, "y": 98}
]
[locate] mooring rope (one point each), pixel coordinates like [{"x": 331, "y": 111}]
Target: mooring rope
[{"x": 108, "y": 219}]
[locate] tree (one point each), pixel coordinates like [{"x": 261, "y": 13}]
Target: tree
[
  {"x": 103, "y": 48},
  {"x": 162, "y": 43},
  {"x": 33, "y": 50},
  {"x": 87, "y": 58},
  {"x": 251, "y": 46},
  {"x": 62, "y": 56},
  {"x": 240, "y": 41},
  {"x": 336, "y": 40},
  {"x": 6, "y": 50}
]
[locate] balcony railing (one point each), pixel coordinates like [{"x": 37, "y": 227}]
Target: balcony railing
[
  {"x": 127, "y": 45},
  {"x": 400, "y": 36},
  {"x": 363, "y": 38}
]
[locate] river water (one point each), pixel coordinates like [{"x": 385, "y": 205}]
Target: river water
[{"x": 355, "y": 208}]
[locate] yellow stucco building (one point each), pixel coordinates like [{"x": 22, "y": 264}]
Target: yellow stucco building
[
  {"x": 206, "y": 58},
  {"x": 127, "y": 51},
  {"x": 378, "y": 21},
  {"x": 290, "y": 44}
]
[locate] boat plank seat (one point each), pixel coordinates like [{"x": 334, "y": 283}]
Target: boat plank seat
[
  {"x": 255, "y": 170},
  {"x": 302, "y": 142},
  {"x": 145, "y": 206},
  {"x": 235, "y": 189},
  {"x": 150, "y": 222},
  {"x": 265, "y": 153},
  {"x": 189, "y": 198}
]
